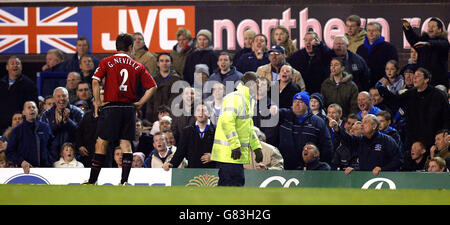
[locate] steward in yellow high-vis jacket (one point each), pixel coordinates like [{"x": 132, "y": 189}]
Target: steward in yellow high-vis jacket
[{"x": 235, "y": 137}]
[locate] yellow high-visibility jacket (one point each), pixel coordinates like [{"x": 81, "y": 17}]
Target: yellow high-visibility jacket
[{"x": 235, "y": 128}]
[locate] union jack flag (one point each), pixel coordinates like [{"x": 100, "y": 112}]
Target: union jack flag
[{"x": 36, "y": 30}]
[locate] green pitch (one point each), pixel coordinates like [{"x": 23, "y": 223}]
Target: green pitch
[{"x": 178, "y": 195}]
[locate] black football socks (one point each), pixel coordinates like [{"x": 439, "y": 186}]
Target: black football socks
[
  {"x": 127, "y": 160},
  {"x": 96, "y": 166}
]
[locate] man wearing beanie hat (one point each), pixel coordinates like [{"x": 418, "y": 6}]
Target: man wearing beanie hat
[
  {"x": 298, "y": 126},
  {"x": 201, "y": 75},
  {"x": 203, "y": 54}
]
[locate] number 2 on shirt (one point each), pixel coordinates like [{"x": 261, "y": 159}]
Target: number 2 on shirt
[{"x": 124, "y": 74}]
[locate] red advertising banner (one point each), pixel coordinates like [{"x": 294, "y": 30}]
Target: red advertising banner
[{"x": 158, "y": 24}]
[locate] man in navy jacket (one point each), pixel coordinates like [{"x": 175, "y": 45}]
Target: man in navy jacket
[
  {"x": 63, "y": 118},
  {"x": 376, "y": 151},
  {"x": 298, "y": 126},
  {"x": 30, "y": 142}
]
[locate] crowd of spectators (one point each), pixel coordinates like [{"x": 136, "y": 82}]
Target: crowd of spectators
[{"x": 350, "y": 106}]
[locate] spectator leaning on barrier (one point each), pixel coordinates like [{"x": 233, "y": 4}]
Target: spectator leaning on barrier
[
  {"x": 272, "y": 159},
  {"x": 343, "y": 157},
  {"x": 30, "y": 142},
  {"x": 376, "y": 151}
]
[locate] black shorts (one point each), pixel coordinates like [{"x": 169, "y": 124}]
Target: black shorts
[{"x": 117, "y": 121}]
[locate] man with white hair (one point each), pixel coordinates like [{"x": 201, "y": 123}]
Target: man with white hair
[
  {"x": 63, "y": 118},
  {"x": 354, "y": 63},
  {"x": 376, "y": 151}
]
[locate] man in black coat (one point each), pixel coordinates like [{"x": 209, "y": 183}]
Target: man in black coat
[
  {"x": 309, "y": 62},
  {"x": 432, "y": 48},
  {"x": 196, "y": 142},
  {"x": 426, "y": 109},
  {"x": 15, "y": 90},
  {"x": 376, "y": 52}
]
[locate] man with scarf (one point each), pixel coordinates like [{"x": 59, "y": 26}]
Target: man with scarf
[{"x": 376, "y": 52}]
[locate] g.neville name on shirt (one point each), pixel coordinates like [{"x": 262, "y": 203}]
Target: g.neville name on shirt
[{"x": 124, "y": 60}]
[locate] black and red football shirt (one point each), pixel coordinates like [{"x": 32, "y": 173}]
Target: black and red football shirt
[{"x": 122, "y": 75}]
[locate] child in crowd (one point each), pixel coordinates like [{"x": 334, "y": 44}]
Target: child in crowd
[
  {"x": 67, "y": 159},
  {"x": 393, "y": 80}
]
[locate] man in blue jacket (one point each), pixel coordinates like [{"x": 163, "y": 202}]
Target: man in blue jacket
[
  {"x": 298, "y": 126},
  {"x": 376, "y": 151},
  {"x": 30, "y": 142},
  {"x": 63, "y": 118}
]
